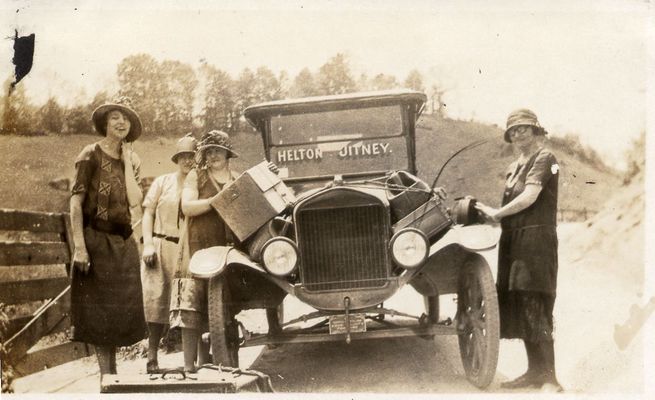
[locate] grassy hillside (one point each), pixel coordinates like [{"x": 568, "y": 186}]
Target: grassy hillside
[
  {"x": 29, "y": 163},
  {"x": 479, "y": 171}
]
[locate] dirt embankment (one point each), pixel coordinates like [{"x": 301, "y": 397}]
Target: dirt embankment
[{"x": 601, "y": 278}]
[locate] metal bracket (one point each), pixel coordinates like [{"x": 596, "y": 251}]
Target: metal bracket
[{"x": 346, "y": 305}]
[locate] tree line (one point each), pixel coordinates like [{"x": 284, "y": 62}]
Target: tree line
[{"x": 173, "y": 98}]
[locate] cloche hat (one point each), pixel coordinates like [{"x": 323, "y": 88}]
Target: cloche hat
[
  {"x": 518, "y": 117},
  {"x": 217, "y": 138},
  {"x": 123, "y": 104},
  {"x": 186, "y": 144}
]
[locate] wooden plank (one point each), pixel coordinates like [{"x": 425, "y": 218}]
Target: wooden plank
[
  {"x": 48, "y": 318},
  {"x": 18, "y": 220},
  {"x": 16, "y": 324},
  {"x": 29, "y": 272},
  {"x": 68, "y": 235},
  {"x": 32, "y": 253},
  {"x": 18, "y": 292},
  {"x": 52, "y": 356}
]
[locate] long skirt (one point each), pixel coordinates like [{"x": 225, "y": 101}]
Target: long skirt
[
  {"x": 157, "y": 280},
  {"x": 526, "y": 315},
  {"x": 107, "y": 302}
]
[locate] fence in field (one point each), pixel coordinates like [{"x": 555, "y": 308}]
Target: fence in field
[
  {"x": 574, "y": 215},
  {"x": 35, "y": 254}
]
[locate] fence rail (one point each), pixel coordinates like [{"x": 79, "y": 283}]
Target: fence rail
[
  {"x": 29, "y": 239},
  {"x": 574, "y": 215}
]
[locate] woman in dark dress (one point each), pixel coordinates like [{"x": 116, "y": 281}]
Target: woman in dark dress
[
  {"x": 205, "y": 229},
  {"x": 106, "y": 299},
  {"x": 527, "y": 253}
]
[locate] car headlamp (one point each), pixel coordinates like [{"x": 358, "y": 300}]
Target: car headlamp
[
  {"x": 409, "y": 248},
  {"x": 280, "y": 256}
]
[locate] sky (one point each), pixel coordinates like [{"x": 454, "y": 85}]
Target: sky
[{"x": 583, "y": 66}]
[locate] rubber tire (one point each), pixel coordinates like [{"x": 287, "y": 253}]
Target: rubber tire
[
  {"x": 223, "y": 329},
  {"x": 432, "y": 308},
  {"x": 478, "y": 323}
]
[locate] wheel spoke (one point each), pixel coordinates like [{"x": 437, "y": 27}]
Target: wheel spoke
[
  {"x": 479, "y": 348},
  {"x": 478, "y": 336}
]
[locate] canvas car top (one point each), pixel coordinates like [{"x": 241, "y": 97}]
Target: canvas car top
[{"x": 256, "y": 112}]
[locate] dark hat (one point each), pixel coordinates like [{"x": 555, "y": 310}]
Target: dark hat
[
  {"x": 217, "y": 139},
  {"x": 187, "y": 144},
  {"x": 123, "y": 104},
  {"x": 518, "y": 117}
]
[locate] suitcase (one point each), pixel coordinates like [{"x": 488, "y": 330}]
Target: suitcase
[
  {"x": 209, "y": 379},
  {"x": 253, "y": 199}
]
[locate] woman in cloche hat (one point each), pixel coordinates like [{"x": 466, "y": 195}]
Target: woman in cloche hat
[
  {"x": 105, "y": 206},
  {"x": 162, "y": 224},
  {"x": 205, "y": 229},
  {"x": 527, "y": 252}
]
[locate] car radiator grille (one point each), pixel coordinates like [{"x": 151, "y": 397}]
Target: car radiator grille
[{"x": 343, "y": 248}]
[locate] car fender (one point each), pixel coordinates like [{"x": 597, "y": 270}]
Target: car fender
[
  {"x": 213, "y": 261},
  {"x": 440, "y": 273}
]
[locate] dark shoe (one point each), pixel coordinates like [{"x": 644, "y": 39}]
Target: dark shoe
[
  {"x": 152, "y": 367},
  {"x": 529, "y": 379}
]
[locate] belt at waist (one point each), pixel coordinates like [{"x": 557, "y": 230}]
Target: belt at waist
[
  {"x": 124, "y": 230},
  {"x": 173, "y": 239},
  {"x": 522, "y": 228}
]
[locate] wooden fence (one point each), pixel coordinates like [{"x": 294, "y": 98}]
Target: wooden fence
[
  {"x": 574, "y": 215},
  {"x": 35, "y": 254}
]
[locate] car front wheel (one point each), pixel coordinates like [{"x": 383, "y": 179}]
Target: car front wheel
[{"x": 478, "y": 325}]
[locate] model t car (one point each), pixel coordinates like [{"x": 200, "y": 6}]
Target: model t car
[{"x": 355, "y": 226}]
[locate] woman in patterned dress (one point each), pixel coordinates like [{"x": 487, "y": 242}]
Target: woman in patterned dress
[
  {"x": 162, "y": 221},
  {"x": 527, "y": 253},
  {"x": 106, "y": 298}
]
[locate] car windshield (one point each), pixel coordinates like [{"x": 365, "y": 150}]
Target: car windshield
[{"x": 339, "y": 142}]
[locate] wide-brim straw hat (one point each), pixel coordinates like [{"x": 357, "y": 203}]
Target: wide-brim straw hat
[
  {"x": 187, "y": 144},
  {"x": 218, "y": 139},
  {"x": 124, "y": 105},
  {"x": 518, "y": 117}
]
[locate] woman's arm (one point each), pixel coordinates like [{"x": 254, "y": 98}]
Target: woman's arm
[
  {"x": 520, "y": 203},
  {"x": 80, "y": 256},
  {"x": 191, "y": 205},
  {"x": 146, "y": 230}
]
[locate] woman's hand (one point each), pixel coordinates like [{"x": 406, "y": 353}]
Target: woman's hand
[
  {"x": 149, "y": 257},
  {"x": 489, "y": 213},
  {"x": 81, "y": 260}
]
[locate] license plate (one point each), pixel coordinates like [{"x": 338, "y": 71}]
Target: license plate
[{"x": 338, "y": 323}]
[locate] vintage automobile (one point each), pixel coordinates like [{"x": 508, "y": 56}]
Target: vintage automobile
[{"x": 360, "y": 226}]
